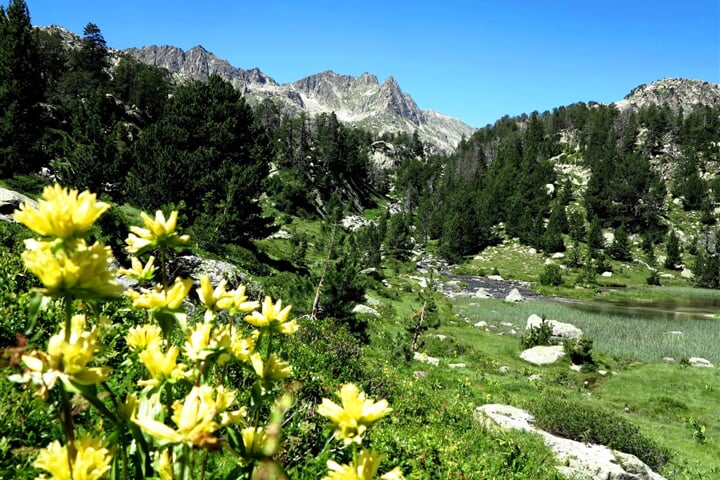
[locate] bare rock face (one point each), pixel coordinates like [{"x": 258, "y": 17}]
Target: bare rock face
[{"x": 575, "y": 459}]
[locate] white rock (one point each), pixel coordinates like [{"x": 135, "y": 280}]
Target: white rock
[
  {"x": 457, "y": 365},
  {"x": 700, "y": 362},
  {"x": 606, "y": 274},
  {"x": 543, "y": 354},
  {"x": 482, "y": 293},
  {"x": 514, "y": 296},
  {"x": 559, "y": 329},
  {"x": 365, "y": 309},
  {"x": 481, "y": 324},
  {"x": 531, "y": 251},
  {"x": 440, "y": 336},
  {"x": 557, "y": 255},
  {"x": 686, "y": 273},
  {"x": 422, "y": 357},
  {"x": 497, "y": 278}
]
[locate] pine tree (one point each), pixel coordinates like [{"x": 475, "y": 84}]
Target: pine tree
[
  {"x": 595, "y": 238},
  {"x": 619, "y": 249},
  {"x": 21, "y": 89},
  {"x": 672, "y": 251}
]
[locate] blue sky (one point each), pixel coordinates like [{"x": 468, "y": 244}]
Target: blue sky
[{"x": 474, "y": 60}]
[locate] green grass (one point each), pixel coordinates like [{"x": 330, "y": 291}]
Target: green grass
[{"x": 615, "y": 336}]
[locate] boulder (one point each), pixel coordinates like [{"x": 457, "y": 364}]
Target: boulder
[
  {"x": 360, "y": 308},
  {"x": 686, "y": 273},
  {"x": 559, "y": 329},
  {"x": 543, "y": 354},
  {"x": 481, "y": 324},
  {"x": 700, "y": 362},
  {"x": 514, "y": 296},
  {"x": 575, "y": 459},
  {"x": 11, "y": 201},
  {"x": 606, "y": 274},
  {"x": 482, "y": 293},
  {"x": 217, "y": 270},
  {"x": 423, "y": 357}
]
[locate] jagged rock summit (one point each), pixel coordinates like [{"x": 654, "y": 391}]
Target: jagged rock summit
[{"x": 361, "y": 101}]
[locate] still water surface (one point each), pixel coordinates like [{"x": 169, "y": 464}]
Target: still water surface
[{"x": 678, "y": 309}]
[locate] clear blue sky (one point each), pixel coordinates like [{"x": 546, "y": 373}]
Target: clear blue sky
[{"x": 474, "y": 60}]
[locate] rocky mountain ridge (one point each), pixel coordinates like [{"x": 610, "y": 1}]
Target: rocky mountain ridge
[
  {"x": 676, "y": 93},
  {"x": 361, "y": 101}
]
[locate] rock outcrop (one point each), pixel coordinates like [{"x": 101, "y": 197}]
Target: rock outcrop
[
  {"x": 560, "y": 330},
  {"x": 575, "y": 459}
]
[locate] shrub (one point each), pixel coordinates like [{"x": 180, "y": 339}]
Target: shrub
[
  {"x": 539, "y": 335},
  {"x": 584, "y": 423},
  {"x": 551, "y": 275},
  {"x": 580, "y": 351}
]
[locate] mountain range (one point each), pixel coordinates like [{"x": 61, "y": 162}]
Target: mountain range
[{"x": 360, "y": 101}]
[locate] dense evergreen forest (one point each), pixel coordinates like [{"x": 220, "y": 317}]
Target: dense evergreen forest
[{"x": 96, "y": 120}]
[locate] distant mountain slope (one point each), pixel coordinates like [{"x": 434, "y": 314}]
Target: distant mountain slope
[
  {"x": 676, "y": 93},
  {"x": 360, "y": 101}
]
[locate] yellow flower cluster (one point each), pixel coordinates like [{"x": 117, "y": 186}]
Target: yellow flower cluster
[
  {"x": 351, "y": 420},
  {"x": 90, "y": 462},
  {"x": 61, "y": 213},
  {"x": 356, "y": 413},
  {"x": 157, "y": 233},
  {"x": 67, "y": 360},
  {"x": 196, "y": 418},
  {"x": 364, "y": 468},
  {"x": 194, "y": 412},
  {"x": 66, "y": 265},
  {"x": 218, "y": 298}
]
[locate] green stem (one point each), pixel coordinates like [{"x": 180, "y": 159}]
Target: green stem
[
  {"x": 67, "y": 420},
  {"x": 68, "y": 311},
  {"x": 68, "y": 427}
]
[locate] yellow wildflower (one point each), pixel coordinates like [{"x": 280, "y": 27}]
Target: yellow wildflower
[
  {"x": 273, "y": 317},
  {"x": 259, "y": 443},
  {"x": 61, "y": 213},
  {"x": 157, "y": 233},
  {"x": 364, "y": 468},
  {"x": 144, "y": 337},
  {"x": 67, "y": 360},
  {"x": 79, "y": 272},
  {"x": 161, "y": 366},
  {"x": 91, "y": 461},
  {"x": 272, "y": 370},
  {"x": 161, "y": 298},
  {"x": 240, "y": 301},
  {"x": 355, "y": 415},
  {"x": 138, "y": 271},
  {"x": 198, "y": 345},
  {"x": 214, "y": 299},
  {"x": 194, "y": 418},
  {"x": 163, "y": 465},
  {"x": 230, "y": 339}
]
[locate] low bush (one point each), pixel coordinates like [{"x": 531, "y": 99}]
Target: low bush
[
  {"x": 590, "y": 424},
  {"x": 539, "y": 335}
]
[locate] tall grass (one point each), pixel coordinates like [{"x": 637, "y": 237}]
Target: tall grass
[{"x": 632, "y": 338}]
